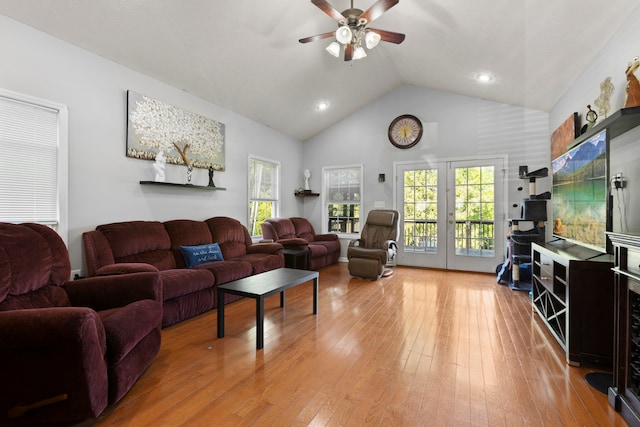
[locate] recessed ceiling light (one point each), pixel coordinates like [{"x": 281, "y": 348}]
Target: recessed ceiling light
[
  {"x": 322, "y": 105},
  {"x": 484, "y": 77}
]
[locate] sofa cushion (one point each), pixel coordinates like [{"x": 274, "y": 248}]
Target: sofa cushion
[
  {"x": 227, "y": 271},
  {"x": 331, "y": 245},
  {"x": 282, "y": 228},
  {"x": 19, "y": 246},
  {"x": 186, "y": 232},
  {"x": 304, "y": 229},
  {"x": 262, "y": 262},
  {"x": 230, "y": 234},
  {"x": 47, "y": 296},
  {"x": 180, "y": 282},
  {"x": 317, "y": 250},
  {"x": 139, "y": 241},
  {"x": 201, "y": 254}
]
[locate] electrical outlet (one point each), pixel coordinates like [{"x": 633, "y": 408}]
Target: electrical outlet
[
  {"x": 75, "y": 274},
  {"x": 617, "y": 181}
]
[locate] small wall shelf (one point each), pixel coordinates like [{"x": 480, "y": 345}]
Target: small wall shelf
[
  {"x": 305, "y": 194},
  {"x": 172, "y": 184}
]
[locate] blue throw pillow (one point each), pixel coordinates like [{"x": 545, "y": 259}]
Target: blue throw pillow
[{"x": 196, "y": 255}]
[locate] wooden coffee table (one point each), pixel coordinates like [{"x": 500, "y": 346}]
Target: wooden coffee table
[{"x": 259, "y": 287}]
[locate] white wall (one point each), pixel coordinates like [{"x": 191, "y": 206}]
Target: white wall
[
  {"x": 625, "y": 150},
  {"x": 103, "y": 183},
  {"x": 610, "y": 62},
  {"x": 456, "y": 127}
]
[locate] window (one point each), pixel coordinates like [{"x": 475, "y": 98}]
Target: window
[
  {"x": 342, "y": 198},
  {"x": 33, "y": 153},
  {"x": 264, "y": 177}
]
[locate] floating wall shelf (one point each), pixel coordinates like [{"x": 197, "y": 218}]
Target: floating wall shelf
[
  {"x": 306, "y": 194},
  {"x": 618, "y": 123},
  {"x": 172, "y": 184}
]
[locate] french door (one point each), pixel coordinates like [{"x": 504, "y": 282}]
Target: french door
[{"x": 452, "y": 214}]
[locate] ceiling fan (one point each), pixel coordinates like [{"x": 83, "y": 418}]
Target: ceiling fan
[{"x": 353, "y": 31}]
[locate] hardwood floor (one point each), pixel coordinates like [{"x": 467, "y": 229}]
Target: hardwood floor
[{"x": 419, "y": 348}]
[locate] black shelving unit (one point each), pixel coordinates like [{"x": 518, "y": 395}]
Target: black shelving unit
[
  {"x": 534, "y": 210},
  {"x": 573, "y": 294}
]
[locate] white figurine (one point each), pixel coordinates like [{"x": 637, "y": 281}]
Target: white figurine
[
  {"x": 603, "y": 102},
  {"x": 159, "y": 166},
  {"x": 307, "y": 175}
]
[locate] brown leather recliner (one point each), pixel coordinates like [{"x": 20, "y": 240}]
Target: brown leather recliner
[
  {"x": 68, "y": 349},
  {"x": 376, "y": 246}
]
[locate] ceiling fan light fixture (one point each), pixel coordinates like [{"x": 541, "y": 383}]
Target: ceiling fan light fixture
[
  {"x": 344, "y": 34},
  {"x": 372, "y": 39},
  {"x": 359, "y": 53},
  {"x": 334, "y": 49}
]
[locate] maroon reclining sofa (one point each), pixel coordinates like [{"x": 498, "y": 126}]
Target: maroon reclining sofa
[{"x": 156, "y": 246}]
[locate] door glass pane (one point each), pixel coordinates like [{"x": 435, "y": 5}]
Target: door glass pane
[
  {"x": 420, "y": 210},
  {"x": 475, "y": 211}
]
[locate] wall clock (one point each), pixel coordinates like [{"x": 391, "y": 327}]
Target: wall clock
[{"x": 405, "y": 131}]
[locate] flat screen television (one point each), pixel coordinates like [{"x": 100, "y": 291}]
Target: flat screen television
[{"x": 580, "y": 201}]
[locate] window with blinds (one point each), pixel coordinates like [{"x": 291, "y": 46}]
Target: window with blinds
[
  {"x": 29, "y": 150},
  {"x": 263, "y": 192},
  {"x": 342, "y": 199}
]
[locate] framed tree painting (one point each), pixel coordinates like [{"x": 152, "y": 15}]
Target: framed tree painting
[
  {"x": 566, "y": 132},
  {"x": 185, "y": 138}
]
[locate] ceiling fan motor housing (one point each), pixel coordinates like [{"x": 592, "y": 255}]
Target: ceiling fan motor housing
[{"x": 353, "y": 16}]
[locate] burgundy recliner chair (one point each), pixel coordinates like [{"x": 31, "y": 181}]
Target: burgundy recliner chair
[
  {"x": 298, "y": 233},
  {"x": 68, "y": 349}
]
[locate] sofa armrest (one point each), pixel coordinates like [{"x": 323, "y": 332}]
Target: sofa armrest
[
  {"x": 53, "y": 357},
  {"x": 48, "y": 327},
  {"x": 264, "y": 248},
  {"x": 390, "y": 244},
  {"x": 105, "y": 292},
  {"x": 125, "y": 268},
  {"x": 325, "y": 236},
  {"x": 294, "y": 243},
  {"x": 392, "y": 249}
]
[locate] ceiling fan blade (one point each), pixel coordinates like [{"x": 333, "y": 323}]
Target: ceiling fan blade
[
  {"x": 348, "y": 52},
  {"x": 377, "y": 9},
  {"x": 328, "y": 9},
  {"x": 389, "y": 36},
  {"x": 317, "y": 37}
]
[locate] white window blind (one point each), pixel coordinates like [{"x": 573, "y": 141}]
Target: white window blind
[
  {"x": 342, "y": 198},
  {"x": 28, "y": 162},
  {"x": 263, "y": 192}
]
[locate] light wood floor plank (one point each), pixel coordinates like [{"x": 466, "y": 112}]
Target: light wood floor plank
[{"x": 420, "y": 348}]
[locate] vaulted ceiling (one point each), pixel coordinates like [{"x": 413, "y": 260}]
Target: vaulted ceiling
[{"x": 244, "y": 55}]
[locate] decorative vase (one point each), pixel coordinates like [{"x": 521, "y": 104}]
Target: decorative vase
[
  {"x": 189, "y": 172},
  {"x": 211, "y": 183}
]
